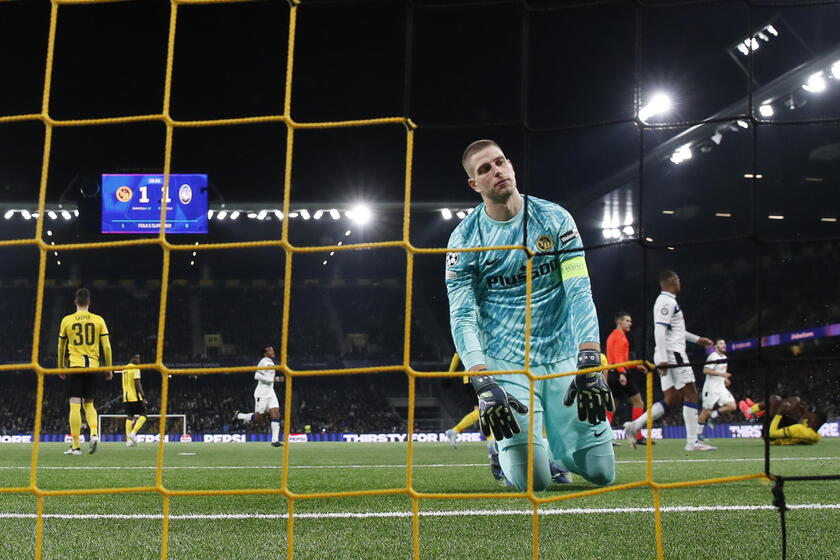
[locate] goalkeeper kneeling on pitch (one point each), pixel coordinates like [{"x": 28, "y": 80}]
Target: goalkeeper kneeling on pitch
[{"x": 487, "y": 304}]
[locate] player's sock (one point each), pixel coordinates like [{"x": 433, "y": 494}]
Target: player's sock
[
  {"x": 700, "y": 428},
  {"x": 610, "y": 416},
  {"x": 715, "y": 414},
  {"x": 75, "y": 423},
  {"x": 635, "y": 413},
  {"x": 128, "y": 425},
  {"x": 245, "y": 416},
  {"x": 690, "y": 419},
  {"x": 275, "y": 429},
  {"x": 90, "y": 417},
  {"x": 658, "y": 409},
  {"x": 466, "y": 421},
  {"x": 138, "y": 424}
]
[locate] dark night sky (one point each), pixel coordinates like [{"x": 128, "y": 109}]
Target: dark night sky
[{"x": 554, "y": 86}]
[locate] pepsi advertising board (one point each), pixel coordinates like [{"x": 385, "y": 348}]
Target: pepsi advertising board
[{"x": 131, "y": 203}]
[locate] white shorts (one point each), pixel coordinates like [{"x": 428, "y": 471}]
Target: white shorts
[
  {"x": 264, "y": 402},
  {"x": 719, "y": 397},
  {"x": 677, "y": 377}
]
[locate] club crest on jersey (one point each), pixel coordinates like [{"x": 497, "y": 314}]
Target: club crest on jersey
[
  {"x": 544, "y": 243},
  {"x": 664, "y": 311},
  {"x": 451, "y": 259}
]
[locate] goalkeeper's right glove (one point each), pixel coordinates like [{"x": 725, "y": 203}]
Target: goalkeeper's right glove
[{"x": 494, "y": 404}]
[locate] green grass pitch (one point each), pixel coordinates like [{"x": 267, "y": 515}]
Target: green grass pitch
[{"x": 716, "y": 521}]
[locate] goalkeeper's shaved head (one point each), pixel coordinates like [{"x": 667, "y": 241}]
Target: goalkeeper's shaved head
[{"x": 472, "y": 149}]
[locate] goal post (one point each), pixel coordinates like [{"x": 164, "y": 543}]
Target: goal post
[{"x": 152, "y": 425}]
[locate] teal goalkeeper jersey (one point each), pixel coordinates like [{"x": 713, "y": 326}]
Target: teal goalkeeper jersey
[{"x": 487, "y": 288}]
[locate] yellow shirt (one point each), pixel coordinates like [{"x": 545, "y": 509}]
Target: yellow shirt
[
  {"x": 79, "y": 337},
  {"x": 792, "y": 435},
  {"x": 129, "y": 388}
]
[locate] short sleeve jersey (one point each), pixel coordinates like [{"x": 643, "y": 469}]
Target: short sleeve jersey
[
  {"x": 264, "y": 377},
  {"x": 83, "y": 331},
  {"x": 667, "y": 313},
  {"x": 487, "y": 289},
  {"x": 129, "y": 388},
  {"x": 715, "y": 382}
]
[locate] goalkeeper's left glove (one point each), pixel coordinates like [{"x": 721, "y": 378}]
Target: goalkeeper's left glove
[{"x": 593, "y": 395}]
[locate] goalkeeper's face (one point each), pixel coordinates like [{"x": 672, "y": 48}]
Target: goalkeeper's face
[{"x": 493, "y": 176}]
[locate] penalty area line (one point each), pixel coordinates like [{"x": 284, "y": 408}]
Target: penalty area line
[{"x": 403, "y": 514}]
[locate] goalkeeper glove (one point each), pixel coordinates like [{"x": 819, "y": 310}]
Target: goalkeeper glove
[
  {"x": 593, "y": 395},
  {"x": 494, "y": 404}
]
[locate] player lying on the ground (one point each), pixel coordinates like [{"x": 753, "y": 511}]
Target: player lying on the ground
[
  {"x": 558, "y": 473},
  {"x": 793, "y": 421},
  {"x": 265, "y": 399}
]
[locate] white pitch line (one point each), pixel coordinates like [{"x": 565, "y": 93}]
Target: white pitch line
[
  {"x": 403, "y": 514},
  {"x": 417, "y": 466}
]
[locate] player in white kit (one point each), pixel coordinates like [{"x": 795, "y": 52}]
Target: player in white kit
[
  {"x": 715, "y": 392},
  {"x": 265, "y": 399},
  {"x": 677, "y": 382}
]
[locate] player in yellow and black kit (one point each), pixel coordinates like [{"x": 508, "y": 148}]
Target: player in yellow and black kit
[
  {"x": 79, "y": 338},
  {"x": 135, "y": 404},
  {"x": 793, "y": 421}
]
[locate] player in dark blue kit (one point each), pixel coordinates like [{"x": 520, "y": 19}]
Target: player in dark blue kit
[{"x": 487, "y": 315}]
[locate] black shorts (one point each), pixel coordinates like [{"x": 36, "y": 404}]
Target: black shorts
[
  {"x": 624, "y": 390},
  {"x": 82, "y": 385},
  {"x": 135, "y": 408}
]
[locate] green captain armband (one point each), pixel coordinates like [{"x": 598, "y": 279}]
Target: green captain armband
[{"x": 574, "y": 268}]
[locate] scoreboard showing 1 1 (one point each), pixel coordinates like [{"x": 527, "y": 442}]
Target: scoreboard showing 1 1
[{"x": 131, "y": 203}]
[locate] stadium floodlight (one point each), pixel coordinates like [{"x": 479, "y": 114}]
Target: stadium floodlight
[
  {"x": 771, "y": 30},
  {"x": 58, "y": 263},
  {"x": 766, "y": 110},
  {"x": 816, "y": 83},
  {"x": 717, "y": 138},
  {"x": 262, "y": 214},
  {"x": 649, "y": 239},
  {"x": 251, "y": 215},
  {"x": 324, "y": 263},
  {"x": 192, "y": 263},
  {"x": 278, "y": 214},
  {"x": 9, "y": 214},
  {"x": 210, "y": 214},
  {"x": 66, "y": 215},
  {"x": 293, "y": 214},
  {"x": 346, "y": 234},
  {"x": 835, "y": 70},
  {"x": 668, "y": 212},
  {"x": 26, "y": 215},
  {"x": 334, "y": 214},
  {"x": 52, "y": 215},
  {"x": 659, "y": 104},
  {"x": 775, "y": 217},
  {"x": 49, "y": 233},
  {"x": 305, "y": 214},
  {"x": 75, "y": 213},
  {"x": 221, "y": 215},
  {"x": 828, "y": 219},
  {"x": 318, "y": 214},
  {"x": 628, "y": 230},
  {"x": 36, "y": 215},
  {"x": 361, "y": 214},
  {"x": 55, "y": 253},
  {"x": 682, "y": 154},
  {"x": 461, "y": 214},
  {"x": 234, "y": 214},
  {"x": 332, "y": 253},
  {"x": 446, "y": 213},
  {"x": 742, "y": 123}
]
